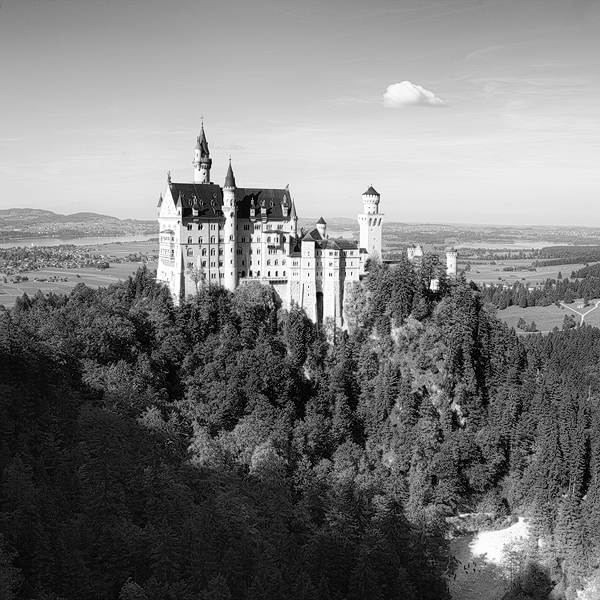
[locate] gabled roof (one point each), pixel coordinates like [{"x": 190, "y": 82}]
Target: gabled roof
[
  {"x": 321, "y": 221},
  {"x": 329, "y": 243},
  {"x": 312, "y": 236},
  {"x": 371, "y": 192}
]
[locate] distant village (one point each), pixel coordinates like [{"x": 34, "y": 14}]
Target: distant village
[{"x": 14, "y": 262}]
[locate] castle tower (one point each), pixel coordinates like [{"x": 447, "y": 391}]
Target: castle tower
[
  {"x": 229, "y": 231},
  {"x": 451, "y": 262},
  {"x": 322, "y": 227},
  {"x": 202, "y": 161},
  {"x": 370, "y": 222}
]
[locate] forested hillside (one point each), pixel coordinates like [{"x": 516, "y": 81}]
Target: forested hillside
[{"x": 229, "y": 449}]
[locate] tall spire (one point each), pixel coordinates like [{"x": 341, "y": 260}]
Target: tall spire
[
  {"x": 229, "y": 178},
  {"x": 202, "y": 144},
  {"x": 202, "y": 161}
]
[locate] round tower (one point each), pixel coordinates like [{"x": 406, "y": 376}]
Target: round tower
[
  {"x": 451, "y": 262},
  {"x": 322, "y": 227},
  {"x": 202, "y": 161},
  {"x": 230, "y": 265}
]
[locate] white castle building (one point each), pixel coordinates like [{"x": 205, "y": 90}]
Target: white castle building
[{"x": 230, "y": 235}]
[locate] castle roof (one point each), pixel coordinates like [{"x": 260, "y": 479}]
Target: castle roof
[
  {"x": 321, "y": 221},
  {"x": 329, "y": 243},
  {"x": 371, "y": 192},
  {"x": 207, "y": 199},
  {"x": 312, "y": 236}
]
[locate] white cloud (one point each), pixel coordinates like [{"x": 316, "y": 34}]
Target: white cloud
[{"x": 406, "y": 93}]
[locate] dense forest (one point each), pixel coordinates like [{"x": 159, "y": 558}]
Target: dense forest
[
  {"x": 584, "y": 284},
  {"x": 226, "y": 448}
]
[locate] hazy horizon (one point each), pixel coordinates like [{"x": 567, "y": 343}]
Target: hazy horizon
[{"x": 479, "y": 112}]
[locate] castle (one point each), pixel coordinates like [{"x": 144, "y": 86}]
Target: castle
[{"x": 230, "y": 235}]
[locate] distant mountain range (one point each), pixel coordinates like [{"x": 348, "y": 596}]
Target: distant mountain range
[{"x": 34, "y": 222}]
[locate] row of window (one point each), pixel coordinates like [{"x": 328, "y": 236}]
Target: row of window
[
  {"x": 213, "y": 226},
  {"x": 213, "y": 240},
  {"x": 190, "y": 252}
]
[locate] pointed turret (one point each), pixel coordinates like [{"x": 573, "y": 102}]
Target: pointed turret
[
  {"x": 202, "y": 161},
  {"x": 229, "y": 178},
  {"x": 322, "y": 227},
  {"x": 202, "y": 144},
  {"x": 294, "y": 219}
]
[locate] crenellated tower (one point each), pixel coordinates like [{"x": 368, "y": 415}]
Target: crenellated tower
[
  {"x": 202, "y": 161},
  {"x": 370, "y": 222},
  {"x": 229, "y": 231}
]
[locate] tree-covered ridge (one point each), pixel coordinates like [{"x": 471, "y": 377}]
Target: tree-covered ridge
[{"x": 228, "y": 449}]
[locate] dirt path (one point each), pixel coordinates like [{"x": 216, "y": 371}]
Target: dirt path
[{"x": 582, "y": 315}]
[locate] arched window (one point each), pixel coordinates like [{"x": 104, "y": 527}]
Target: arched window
[
  {"x": 212, "y": 239},
  {"x": 190, "y": 240},
  {"x": 269, "y": 240},
  {"x": 220, "y": 251},
  {"x": 283, "y": 239},
  {"x": 283, "y": 262},
  {"x": 199, "y": 240},
  {"x": 268, "y": 262},
  {"x": 203, "y": 251},
  {"x": 190, "y": 252},
  {"x": 212, "y": 252},
  {"x": 269, "y": 274},
  {"x": 276, "y": 273},
  {"x": 276, "y": 262},
  {"x": 284, "y": 273},
  {"x": 239, "y": 250}
]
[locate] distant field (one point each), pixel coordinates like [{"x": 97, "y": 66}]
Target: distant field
[
  {"x": 495, "y": 274},
  {"x": 9, "y": 292},
  {"x": 548, "y": 317}
]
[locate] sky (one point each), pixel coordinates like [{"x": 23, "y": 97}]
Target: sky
[{"x": 457, "y": 111}]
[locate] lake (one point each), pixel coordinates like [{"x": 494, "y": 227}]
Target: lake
[{"x": 77, "y": 241}]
